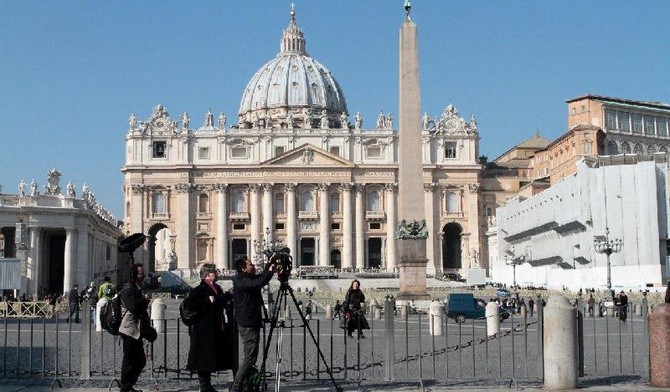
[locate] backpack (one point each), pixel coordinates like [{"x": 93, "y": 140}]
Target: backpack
[
  {"x": 188, "y": 317},
  {"x": 110, "y": 315}
]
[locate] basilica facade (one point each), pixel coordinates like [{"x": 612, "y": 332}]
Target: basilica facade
[{"x": 297, "y": 166}]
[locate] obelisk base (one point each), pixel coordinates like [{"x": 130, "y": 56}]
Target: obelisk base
[{"x": 412, "y": 267}]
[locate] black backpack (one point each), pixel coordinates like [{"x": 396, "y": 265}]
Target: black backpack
[
  {"x": 110, "y": 315},
  {"x": 188, "y": 317}
]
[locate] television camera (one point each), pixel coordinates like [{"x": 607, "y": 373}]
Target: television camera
[{"x": 281, "y": 257}]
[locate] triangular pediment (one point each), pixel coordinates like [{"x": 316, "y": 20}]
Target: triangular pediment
[{"x": 308, "y": 155}]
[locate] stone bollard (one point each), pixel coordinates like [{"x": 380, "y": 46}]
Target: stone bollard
[
  {"x": 610, "y": 312},
  {"x": 492, "y": 319},
  {"x": 638, "y": 309},
  {"x": 158, "y": 313},
  {"x": 561, "y": 355},
  {"x": 98, "y": 306},
  {"x": 287, "y": 312},
  {"x": 659, "y": 346},
  {"x": 404, "y": 311},
  {"x": 435, "y": 315},
  {"x": 329, "y": 312},
  {"x": 524, "y": 310}
]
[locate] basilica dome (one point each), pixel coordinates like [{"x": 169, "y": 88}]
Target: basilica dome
[{"x": 292, "y": 90}]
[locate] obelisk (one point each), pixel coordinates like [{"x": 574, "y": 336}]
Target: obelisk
[{"x": 411, "y": 231}]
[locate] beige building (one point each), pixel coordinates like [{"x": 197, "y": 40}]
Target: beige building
[{"x": 297, "y": 166}]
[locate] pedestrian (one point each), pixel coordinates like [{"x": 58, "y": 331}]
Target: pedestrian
[
  {"x": 591, "y": 302},
  {"x": 106, "y": 289},
  {"x": 531, "y": 306},
  {"x": 135, "y": 325},
  {"x": 337, "y": 309},
  {"x": 308, "y": 310},
  {"x": 623, "y": 306},
  {"x": 354, "y": 309},
  {"x": 73, "y": 298},
  {"x": 248, "y": 300},
  {"x": 212, "y": 335}
]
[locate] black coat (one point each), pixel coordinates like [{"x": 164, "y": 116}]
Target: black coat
[
  {"x": 354, "y": 314},
  {"x": 249, "y": 298},
  {"x": 213, "y": 337}
]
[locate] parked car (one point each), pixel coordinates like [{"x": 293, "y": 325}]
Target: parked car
[{"x": 463, "y": 306}]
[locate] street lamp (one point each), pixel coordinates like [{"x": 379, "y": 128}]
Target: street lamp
[
  {"x": 512, "y": 259},
  {"x": 266, "y": 246},
  {"x": 605, "y": 244}
]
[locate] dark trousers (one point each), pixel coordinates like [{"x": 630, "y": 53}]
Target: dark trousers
[
  {"x": 74, "y": 311},
  {"x": 250, "y": 338},
  {"x": 133, "y": 361},
  {"x": 205, "y": 380}
]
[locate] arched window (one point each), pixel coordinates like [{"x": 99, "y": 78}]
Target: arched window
[
  {"x": 638, "y": 149},
  {"x": 334, "y": 202},
  {"x": 279, "y": 203},
  {"x": 651, "y": 149},
  {"x": 203, "y": 203},
  {"x": 239, "y": 204},
  {"x": 452, "y": 202},
  {"x": 612, "y": 148},
  {"x": 663, "y": 149},
  {"x": 306, "y": 201},
  {"x": 373, "y": 201},
  {"x": 159, "y": 206},
  {"x": 625, "y": 148}
]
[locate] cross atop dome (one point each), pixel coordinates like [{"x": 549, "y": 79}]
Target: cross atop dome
[{"x": 293, "y": 40}]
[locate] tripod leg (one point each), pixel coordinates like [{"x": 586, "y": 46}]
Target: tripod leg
[
  {"x": 281, "y": 299},
  {"x": 311, "y": 334}
]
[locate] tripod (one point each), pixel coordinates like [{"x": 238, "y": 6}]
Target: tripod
[{"x": 281, "y": 303}]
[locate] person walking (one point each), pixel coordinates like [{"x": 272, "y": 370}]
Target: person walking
[
  {"x": 531, "y": 306},
  {"x": 353, "y": 310},
  {"x": 337, "y": 309},
  {"x": 73, "y": 298},
  {"x": 135, "y": 325},
  {"x": 212, "y": 335},
  {"x": 248, "y": 300},
  {"x": 623, "y": 306}
]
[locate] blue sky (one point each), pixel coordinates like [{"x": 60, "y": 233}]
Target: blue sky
[{"x": 71, "y": 72}]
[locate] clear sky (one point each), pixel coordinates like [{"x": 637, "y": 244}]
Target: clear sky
[{"x": 71, "y": 72}]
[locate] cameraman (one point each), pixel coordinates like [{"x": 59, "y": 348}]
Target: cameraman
[{"x": 248, "y": 300}]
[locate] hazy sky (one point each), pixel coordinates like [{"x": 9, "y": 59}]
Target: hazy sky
[{"x": 71, "y": 72}]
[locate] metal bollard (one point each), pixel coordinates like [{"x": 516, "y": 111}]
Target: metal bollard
[{"x": 561, "y": 367}]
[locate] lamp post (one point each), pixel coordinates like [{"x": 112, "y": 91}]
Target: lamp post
[
  {"x": 512, "y": 259},
  {"x": 266, "y": 247},
  {"x": 606, "y": 245}
]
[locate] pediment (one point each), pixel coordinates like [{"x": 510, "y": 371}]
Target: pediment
[{"x": 308, "y": 155}]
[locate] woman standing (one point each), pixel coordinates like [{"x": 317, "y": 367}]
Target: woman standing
[
  {"x": 213, "y": 345},
  {"x": 354, "y": 311}
]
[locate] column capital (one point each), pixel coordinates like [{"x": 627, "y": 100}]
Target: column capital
[
  {"x": 137, "y": 188},
  {"x": 254, "y": 187},
  {"x": 346, "y": 186},
  {"x": 290, "y": 186},
  {"x": 220, "y": 188},
  {"x": 267, "y": 187},
  {"x": 359, "y": 188},
  {"x": 429, "y": 187},
  {"x": 391, "y": 187},
  {"x": 183, "y": 188},
  {"x": 473, "y": 187},
  {"x": 323, "y": 186}
]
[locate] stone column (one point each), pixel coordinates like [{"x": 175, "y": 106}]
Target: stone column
[
  {"x": 360, "y": 226},
  {"x": 34, "y": 259},
  {"x": 84, "y": 259},
  {"x": 659, "y": 346},
  {"x": 429, "y": 201},
  {"x": 324, "y": 225},
  {"x": 69, "y": 267},
  {"x": 473, "y": 222},
  {"x": 291, "y": 220},
  {"x": 255, "y": 216},
  {"x": 137, "y": 215},
  {"x": 347, "y": 227},
  {"x": 561, "y": 370},
  {"x": 222, "y": 258},
  {"x": 391, "y": 225},
  {"x": 267, "y": 211},
  {"x": 185, "y": 229}
]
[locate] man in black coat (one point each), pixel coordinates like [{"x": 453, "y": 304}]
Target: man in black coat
[
  {"x": 213, "y": 343},
  {"x": 248, "y": 301},
  {"x": 73, "y": 298}
]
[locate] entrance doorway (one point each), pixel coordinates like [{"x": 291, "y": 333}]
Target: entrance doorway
[
  {"x": 336, "y": 258},
  {"x": 239, "y": 249},
  {"x": 158, "y": 244},
  {"x": 374, "y": 253},
  {"x": 306, "y": 251},
  {"x": 55, "y": 262},
  {"x": 451, "y": 246}
]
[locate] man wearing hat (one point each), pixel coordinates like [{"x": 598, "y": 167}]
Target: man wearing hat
[{"x": 73, "y": 297}]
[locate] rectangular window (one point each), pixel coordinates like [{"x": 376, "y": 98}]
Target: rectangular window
[
  {"x": 279, "y": 150},
  {"x": 610, "y": 119},
  {"x": 334, "y": 226},
  {"x": 637, "y": 123},
  {"x": 452, "y": 202},
  {"x": 238, "y": 226},
  {"x": 159, "y": 149},
  {"x": 203, "y": 152},
  {"x": 624, "y": 121},
  {"x": 335, "y": 150},
  {"x": 649, "y": 125},
  {"x": 450, "y": 150},
  {"x": 662, "y": 126},
  {"x": 238, "y": 152},
  {"x": 374, "y": 152},
  {"x": 279, "y": 226},
  {"x": 108, "y": 253},
  {"x": 375, "y": 225}
]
